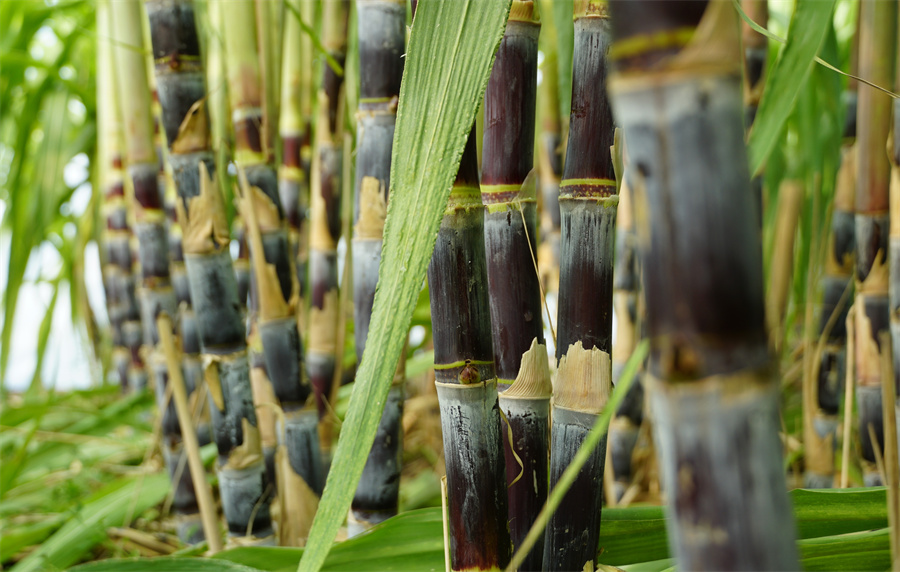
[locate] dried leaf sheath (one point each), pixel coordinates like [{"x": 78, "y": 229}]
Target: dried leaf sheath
[
  {"x": 877, "y": 49},
  {"x": 466, "y": 382},
  {"x": 712, "y": 381},
  {"x": 588, "y": 204},
  {"x": 382, "y": 36}
]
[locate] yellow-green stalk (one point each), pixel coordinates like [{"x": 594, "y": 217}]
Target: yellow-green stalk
[
  {"x": 118, "y": 263},
  {"x": 877, "y": 50},
  {"x": 325, "y": 215}
]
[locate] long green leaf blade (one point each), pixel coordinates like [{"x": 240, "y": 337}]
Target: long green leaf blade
[
  {"x": 110, "y": 506},
  {"x": 809, "y": 24},
  {"x": 448, "y": 64}
]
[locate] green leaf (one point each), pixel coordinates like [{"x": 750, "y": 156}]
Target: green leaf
[
  {"x": 563, "y": 19},
  {"x": 809, "y": 23},
  {"x": 448, "y": 63},
  {"x": 163, "y": 564},
  {"x": 113, "y": 505},
  {"x": 633, "y": 538},
  {"x": 828, "y": 512},
  {"x": 631, "y": 535},
  {"x": 263, "y": 557}
]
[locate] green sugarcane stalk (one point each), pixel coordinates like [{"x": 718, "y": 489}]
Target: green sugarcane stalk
[
  {"x": 711, "y": 378},
  {"x": 894, "y": 287},
  {"x": 298, "y": 458},
  {"x": 325, "y": 216},
  {"x": 294, "y": 129},
  {"x": 549, "y": 154},
  {"x": 118, "y": 276}
]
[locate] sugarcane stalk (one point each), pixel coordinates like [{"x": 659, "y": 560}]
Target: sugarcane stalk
[
  {"x": 204, "y": 496},
  {"x": 382, "y": 38},
  {"x": 822, "y": 399},
  {"x": 625, "y": 426},
  {"x": 269, "y": 22},
  {"x": 878, "y": 31},
  {"x": 712, "y": 379},
  {"x": 588, "y": 203},
  {"x": 155, "y": 293},
  {"x": 325, "y": 218},
  {"x": 510, "y": 223},
  {"x": 294, "y": 129},
  {"x": 118, "y": 277},
  {"x": 788, "y": 206},
  {"x": 298, "y": 462},
  {"x": 466, "y": 382},
  {"x": 756, "y": 52},
  {"x": 894, "y": 287},
  {"x": 210, "y": 275},
  {"x": 275, "y": 348},
  {"x": 526, "y": 428},
  {"x": 184, "y": 498}
]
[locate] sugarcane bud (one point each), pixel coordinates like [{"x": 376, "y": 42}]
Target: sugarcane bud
[{"x": 469, "y": 374}]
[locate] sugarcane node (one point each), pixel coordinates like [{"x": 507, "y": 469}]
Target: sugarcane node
[
  {"x": 706, "y": 42},
  {"x": 525, "y": 11}
]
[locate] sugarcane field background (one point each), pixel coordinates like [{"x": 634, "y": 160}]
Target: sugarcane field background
[{"x": 449, "y": 285}]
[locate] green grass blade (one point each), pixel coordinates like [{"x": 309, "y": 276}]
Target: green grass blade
[
  {"x": 828, "y": 512},
  {"x": 448, "y": 63},
  {"x": 163, "y": 564},
  {"x": 110, "y": 506},
  {"x": 809, "y": 23}
]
